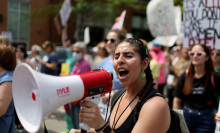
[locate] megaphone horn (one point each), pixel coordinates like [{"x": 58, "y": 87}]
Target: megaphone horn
[{"x": 36, "y": 95}]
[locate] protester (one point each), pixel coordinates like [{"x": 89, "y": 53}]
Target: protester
[
  {"x": 177, "y": 69},
  {"x": 100, "y": 55},
  {"x": 7, "y": 66},
  {"x": 22, "y": 56},
  {"x": 154, "y": 66},
  {"x": 81, "y": 66},
  {"x": 215, "y": 55},
  {"x": 127, "y": 113},
  {"x": 67, "y": 43},
  {"x": 196, "y": 90},
  {"x": 35, "y": 53},
  {"x": 5, "y": 40},
  {"x": 158, "y": 55},
  {"x": 49, "y": 60}
]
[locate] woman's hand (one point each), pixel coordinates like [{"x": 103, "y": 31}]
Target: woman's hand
[
  {"x": 217, "y": 116},
  {"x": 91, "y": 115},
  {"x": 78, "y": 131}
]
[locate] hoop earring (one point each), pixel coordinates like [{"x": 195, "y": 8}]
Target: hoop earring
[{"x": 143, "y": 75}]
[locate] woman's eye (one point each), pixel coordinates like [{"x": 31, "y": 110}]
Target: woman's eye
[{"x": 116, "y": 57}]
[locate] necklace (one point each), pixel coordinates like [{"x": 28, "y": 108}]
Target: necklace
[{"x": 114, "y": 123}]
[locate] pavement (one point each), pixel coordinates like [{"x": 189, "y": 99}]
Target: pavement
[{"x": 55, "y": 123}]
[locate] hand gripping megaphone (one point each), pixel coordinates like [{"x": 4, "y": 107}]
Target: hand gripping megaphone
[{"x": 36, "y": 95}]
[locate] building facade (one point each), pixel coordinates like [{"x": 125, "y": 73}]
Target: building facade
[{"x": 19, "y": 18}]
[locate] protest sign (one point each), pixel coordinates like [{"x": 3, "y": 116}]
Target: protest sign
[
  {"x": 161, "y": 17},
  {"x": 119, "y": 21},
  {"x": 201, "y": 21},
  {"x": 86, "y": 36},
  {"x": 171, "y": 39},
  {"x": 65, "y": 12},
  {"x": 217, "y": 127}
]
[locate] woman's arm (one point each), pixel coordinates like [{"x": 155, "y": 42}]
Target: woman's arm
[
  {"x": 5, "y": 97},
  {"x": 177, "y": 103},
  {"x": 154, "y": 117}
]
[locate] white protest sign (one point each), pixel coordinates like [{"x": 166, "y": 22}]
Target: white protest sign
[
  {"x": 161, "y": 18},
  {"x": 65, "y": 12},
  {"x": 86, "y": 35},
  {"x": 120, "y": 21},
  {"x": 104, "y": 109},
  {"x": 217, "y": 128},
  {"x": 170, "y": 40},
  {"x": 201, "y": 21}
]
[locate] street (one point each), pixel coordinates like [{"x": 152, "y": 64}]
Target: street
[{"x": 55, "y": 123}]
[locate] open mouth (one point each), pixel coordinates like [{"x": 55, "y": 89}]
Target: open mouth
[{"x": 123, "y": 73}]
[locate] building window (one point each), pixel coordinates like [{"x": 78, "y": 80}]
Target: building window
[
  {"x": 140, "y": 28},
  {"x": 18, "y": 20}
]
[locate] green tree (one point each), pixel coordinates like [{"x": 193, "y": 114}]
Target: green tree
[{"x": 92, "y": 10}]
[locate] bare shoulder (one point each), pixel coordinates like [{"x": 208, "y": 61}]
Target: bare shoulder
[{"x": 154, "y": 116}]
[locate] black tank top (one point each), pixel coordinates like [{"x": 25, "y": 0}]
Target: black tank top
[{"x": 129, "y": 123}]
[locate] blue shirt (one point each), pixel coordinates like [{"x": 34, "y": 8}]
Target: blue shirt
[
  {"x": 7, "y": 119},
  {"x": 107, "y": 65},
  {"x": 50, "y": 59}
]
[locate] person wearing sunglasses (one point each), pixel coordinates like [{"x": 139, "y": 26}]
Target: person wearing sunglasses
[
  {"x": 215, "y": 55},
  {"x": 100, "y": 53},
  {"x": 112, "y": 38},
  {"x": 195, "y": 91}
]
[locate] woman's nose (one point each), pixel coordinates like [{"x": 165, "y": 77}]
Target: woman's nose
[{"x": 120, "y": 60}]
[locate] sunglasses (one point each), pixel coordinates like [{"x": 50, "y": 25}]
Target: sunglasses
[
  {"x": 199, "y": 54},
  {"x": 102, "y": 48},
  {"x": 215, "y": 53},
  {"x": 111, "y": 40},
  {"x": 76, "y": 51}
]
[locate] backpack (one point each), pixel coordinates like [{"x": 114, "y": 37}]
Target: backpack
[{"x": 175, "y": 120}]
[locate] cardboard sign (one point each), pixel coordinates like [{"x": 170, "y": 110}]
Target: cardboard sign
[
  {"x": 201, "y": 21},
  {"x": 161, "y": 18},
  {"x": 65, "y": 12},
  {"x": 120, "y": 21}
]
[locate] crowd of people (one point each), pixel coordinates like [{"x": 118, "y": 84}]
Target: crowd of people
[{"x": 150, "y": 80}]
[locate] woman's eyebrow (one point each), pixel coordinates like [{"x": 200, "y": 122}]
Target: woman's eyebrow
[{"x": 124, "y": 53}]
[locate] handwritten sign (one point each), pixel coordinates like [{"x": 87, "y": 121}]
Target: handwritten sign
[
  {"x": 161, "y": 18},
  {"x": 201, "y": 21},
  {"x": 171, "y": 39},
  {"x": 65, "y": 12}
]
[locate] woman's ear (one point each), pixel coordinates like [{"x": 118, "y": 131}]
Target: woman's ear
[{"x": 145, "y": 63}]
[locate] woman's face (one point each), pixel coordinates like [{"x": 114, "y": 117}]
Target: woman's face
[
  {"x": 19, "y": 54},
  {"x": 215, "y": 55},
  {"x": 102, "y": 50},
  {"x": 111, "y": 40},
  {"x": 198, "y": 55},
  {"x": 128, "y": 65}
]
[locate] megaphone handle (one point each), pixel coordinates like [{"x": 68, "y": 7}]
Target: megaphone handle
[{"x": 95, "y": 99}]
